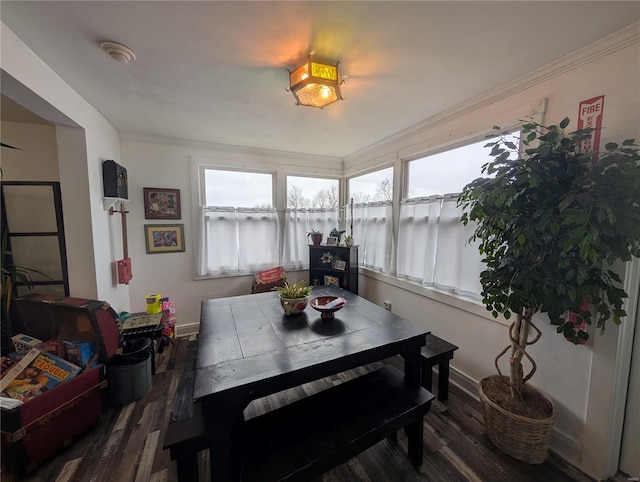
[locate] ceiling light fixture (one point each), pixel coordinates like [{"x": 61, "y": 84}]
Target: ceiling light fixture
[
  {"x": 118, "y": 52},
  {"x": 315, "y": 84}
]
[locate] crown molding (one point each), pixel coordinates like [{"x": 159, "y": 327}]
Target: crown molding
[
  {"x": 606, "y": 46},
  {"x": 230, "y": 149}
]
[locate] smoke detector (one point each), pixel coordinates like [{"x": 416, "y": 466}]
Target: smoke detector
[{"x": 118, "y": 52}]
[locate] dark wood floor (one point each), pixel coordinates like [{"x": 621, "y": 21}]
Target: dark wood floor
[{"x": 127, "y": 444}]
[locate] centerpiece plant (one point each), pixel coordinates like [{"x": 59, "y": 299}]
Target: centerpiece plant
[
  {"x": 550, "y": 225},
  {"x": 294, "y": 296}
]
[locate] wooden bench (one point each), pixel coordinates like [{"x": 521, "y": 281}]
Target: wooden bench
[
  {"x": 437, "y": 352},
  {"x": 184, "y": 439},
  {"x": 305, "y": 438}
]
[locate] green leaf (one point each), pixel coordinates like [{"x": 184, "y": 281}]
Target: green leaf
[
  {"x": 611, "y": 146},
  {"x": 564, "y": 123}
]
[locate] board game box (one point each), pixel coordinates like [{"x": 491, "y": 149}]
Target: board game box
[{"x": 37, "y": 372}]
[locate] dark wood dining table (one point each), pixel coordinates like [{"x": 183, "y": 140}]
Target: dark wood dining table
[{"x": 248, "y": 349}]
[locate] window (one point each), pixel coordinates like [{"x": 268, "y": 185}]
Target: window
[
  {"x": 448, "y": 171},
  {"x": 372, "y": 221},
  {"x": 312, "y": 204},
  {"x": 433, "y": 247},
  {"x": 312, "y": 192},
  {"x": 239, "y": 226},
  {"x": 238, "y": 189},
  {"x": 373, "y": 187}
]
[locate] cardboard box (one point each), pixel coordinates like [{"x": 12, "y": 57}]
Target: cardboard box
[
  {"x": 81, "y": 353},
  {"x": 25, "y": 342},
  {"x": 35, "y": 374},
  {"x": 54, "y": 346}
]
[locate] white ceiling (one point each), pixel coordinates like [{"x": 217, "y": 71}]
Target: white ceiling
[{"x": 216, "y": 71}]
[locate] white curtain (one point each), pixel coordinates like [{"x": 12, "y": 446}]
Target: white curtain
[
  {"x": 373, "y": 232},
  {"x": 238, "y": 240},
  {"x": 297, "y": 224},
  {"x": 433, "y": 246}
]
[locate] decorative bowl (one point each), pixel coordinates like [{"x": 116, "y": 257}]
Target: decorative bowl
[
  {"x": 293, "y": 306},
  {"x": 327, "y": 305}
]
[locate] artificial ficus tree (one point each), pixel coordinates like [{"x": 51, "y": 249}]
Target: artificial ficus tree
[{"x": 550, "y": 223}]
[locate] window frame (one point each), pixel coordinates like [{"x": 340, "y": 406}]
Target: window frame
[
  {"x": 202, "y": 168},
  {"x": 382, "y": 167},
  {"x": 340, "y": 180},
  {"x": 486, "y": 135}
]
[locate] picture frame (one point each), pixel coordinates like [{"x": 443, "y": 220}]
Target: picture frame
[
  {"x": 332, "y": 241},
  {"x": 331, "y": 280},
  {"x": 162, "y": 203},
  {"x": 340, "y": 264},
  {"x": 164, "y": 238}
]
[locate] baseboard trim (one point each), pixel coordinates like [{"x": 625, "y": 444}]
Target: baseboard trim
[{"x": 186, "y": 330}]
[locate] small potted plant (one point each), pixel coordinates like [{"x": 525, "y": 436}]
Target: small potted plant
[
  {"x": 316, "y": 237},
  {"x": 550, "y": 223},
  {"x": 294, "y": 296}
]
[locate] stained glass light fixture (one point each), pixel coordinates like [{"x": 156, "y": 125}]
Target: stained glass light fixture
[{"x": 315, "y": 84}]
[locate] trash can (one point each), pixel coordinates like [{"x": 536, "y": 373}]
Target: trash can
[{"x": 129, "y": 373}]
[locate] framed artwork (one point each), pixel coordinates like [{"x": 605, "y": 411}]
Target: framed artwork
[
  {"x": 331, "y": 280},
  {"x": 331, "y": 241},
  {"x": 161, "y": 203},
  {"x": 340, "y": 264},
  {"x": 164, "y": 238}
]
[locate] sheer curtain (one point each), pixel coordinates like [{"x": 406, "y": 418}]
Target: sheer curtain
[
  {"x": 238, "y": 240},
  {"x": 373, "y": 232},
  {"x": 433, "y": 246},
  {"x": 297, "y": 224}
]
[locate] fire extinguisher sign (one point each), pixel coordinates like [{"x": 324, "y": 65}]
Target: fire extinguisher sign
[{"x": 590, "y": 116}]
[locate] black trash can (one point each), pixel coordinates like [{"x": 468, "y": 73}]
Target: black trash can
[{"x": 129, "y": 373}]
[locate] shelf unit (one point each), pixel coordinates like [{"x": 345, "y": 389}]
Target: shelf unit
[{"x": 319, "y": 267}]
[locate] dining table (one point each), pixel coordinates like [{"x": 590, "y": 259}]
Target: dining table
[{"x": 248, "y": 349}]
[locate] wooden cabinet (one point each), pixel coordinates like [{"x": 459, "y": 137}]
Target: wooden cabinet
[{"x": 334, "y": 264}]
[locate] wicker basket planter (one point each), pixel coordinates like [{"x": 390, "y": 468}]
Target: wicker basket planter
[{"x": 522, "y": 438}]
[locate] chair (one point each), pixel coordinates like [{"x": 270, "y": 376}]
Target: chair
[{"x": 268, "y": 279}]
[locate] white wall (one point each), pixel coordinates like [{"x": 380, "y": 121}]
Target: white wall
[
  {"x": 37, "y": 159},
  {"x": 84, "y": 140},
  {"x": 166, "y": 163},
  {"x": 580, "y": 379}
]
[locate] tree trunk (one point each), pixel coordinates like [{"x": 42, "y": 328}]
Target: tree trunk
[{"x": 519, "y": 335}]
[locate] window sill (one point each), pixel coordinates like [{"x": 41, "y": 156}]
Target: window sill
[
  {"x": 239, "y": 275},
  {"x": 456, "y": 301}
]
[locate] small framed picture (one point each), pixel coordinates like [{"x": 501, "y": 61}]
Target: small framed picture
[
  {"x": 164, "y": 238},
  {"x": 340, "y": 264},
  {"x": 331, "y": 280},
  {"x": 161, "y": 203},
  {"x": 331, "y": 241}
]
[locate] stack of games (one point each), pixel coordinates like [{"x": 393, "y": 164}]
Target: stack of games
[{"x": 35, "y": 373}]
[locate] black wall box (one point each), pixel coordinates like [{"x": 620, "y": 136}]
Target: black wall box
[{"x": 114, "y": 180}]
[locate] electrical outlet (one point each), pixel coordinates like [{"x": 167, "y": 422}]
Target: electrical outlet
[{"x": 386, "y": 304}]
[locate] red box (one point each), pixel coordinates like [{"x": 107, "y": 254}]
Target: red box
[
  {"x": 36, "y": 430},
  {"x": 33, "y": 432}
]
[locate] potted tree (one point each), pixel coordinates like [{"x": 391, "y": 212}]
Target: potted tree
[{"x": 549, "y": 225}]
